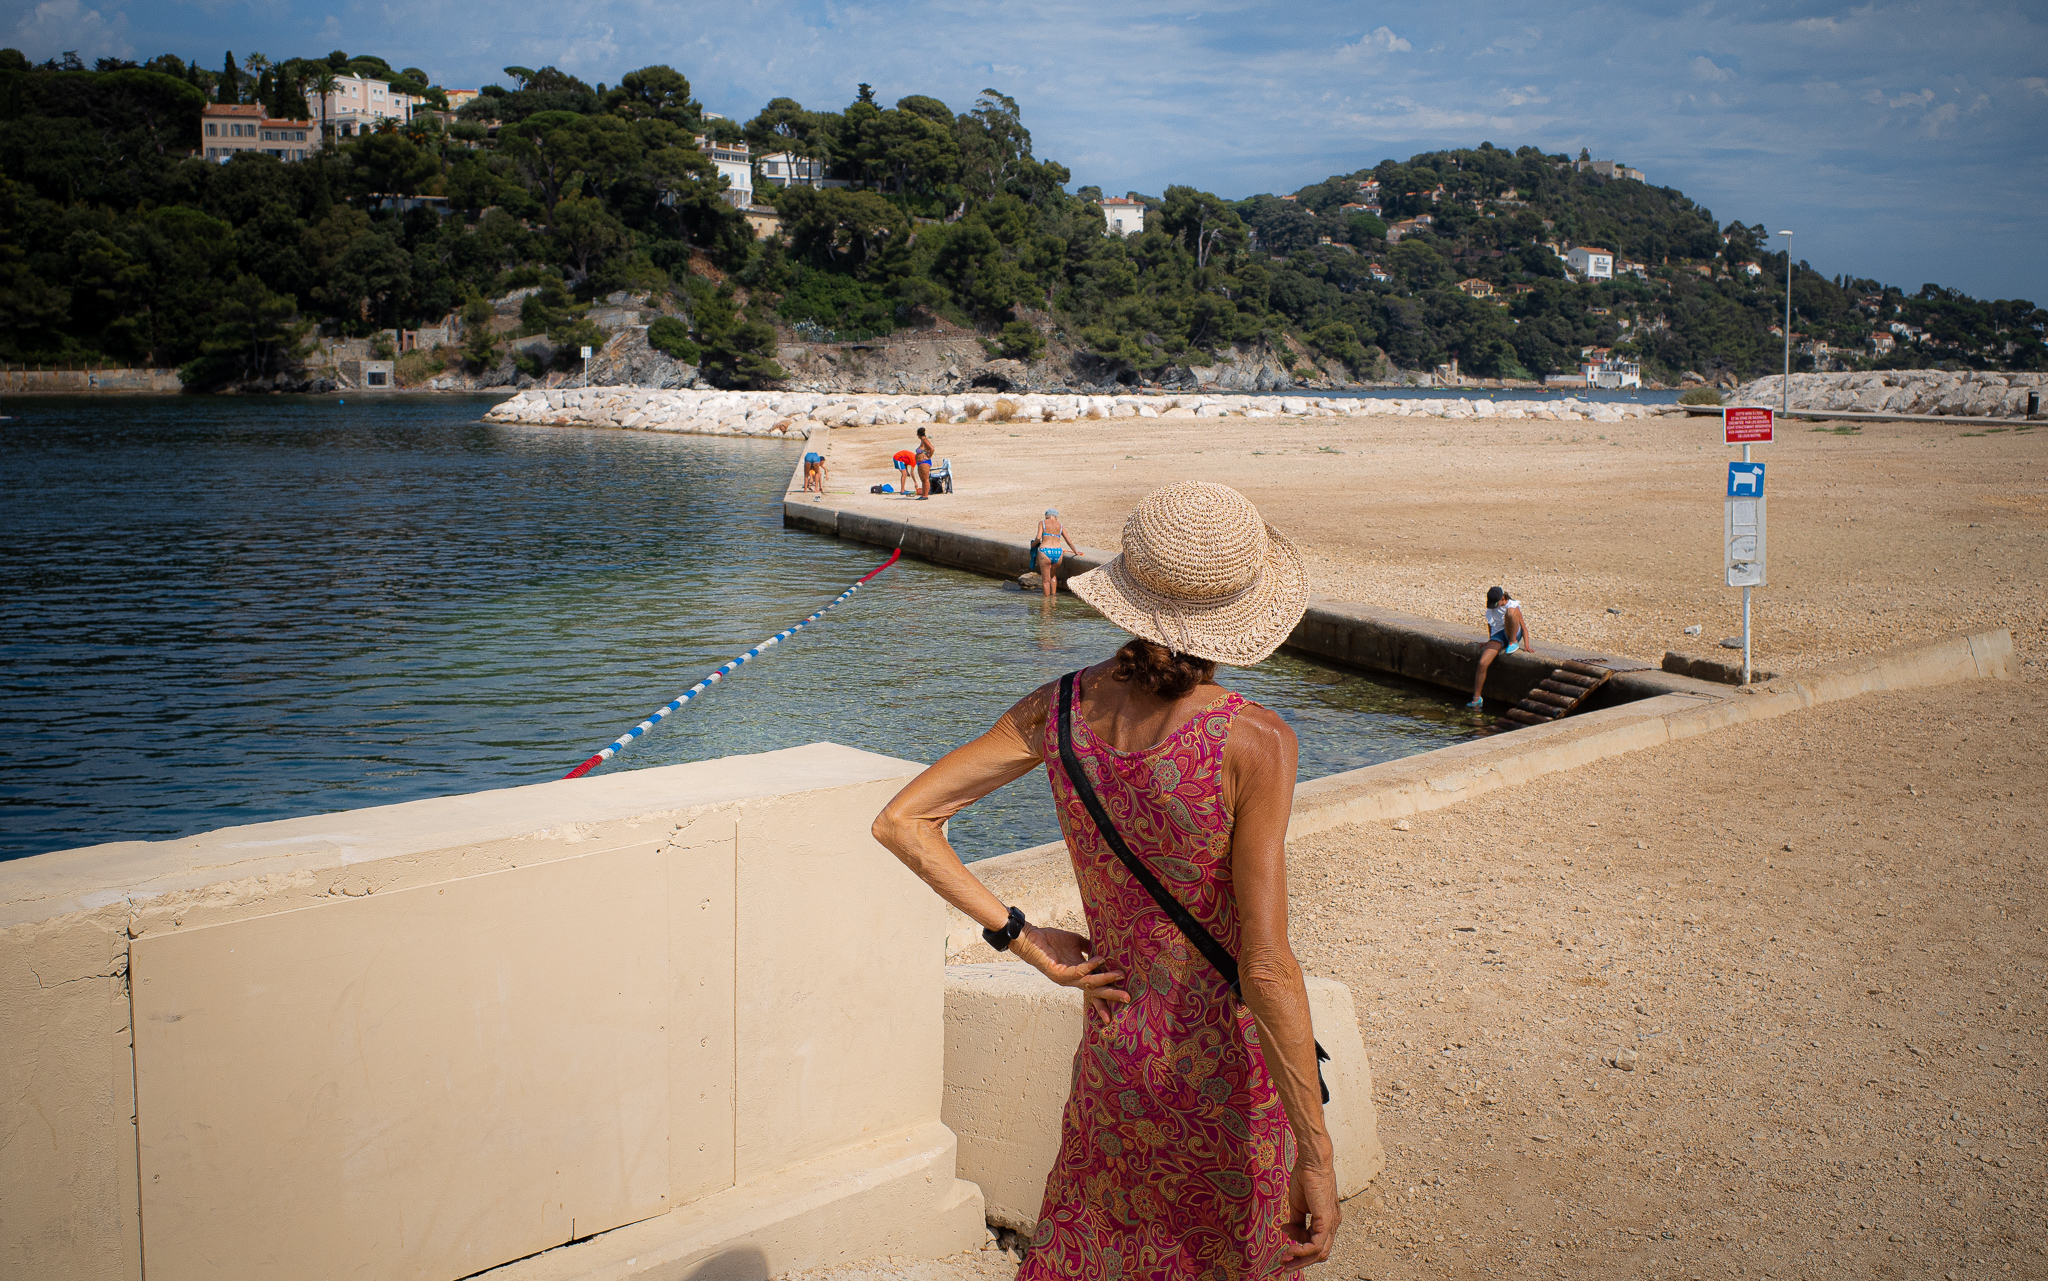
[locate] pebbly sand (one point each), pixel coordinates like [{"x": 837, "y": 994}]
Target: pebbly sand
[{"x": 1822, "y": 936}]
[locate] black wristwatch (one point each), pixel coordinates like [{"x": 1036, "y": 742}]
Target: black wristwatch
[{"x": 1001, "y": 939}]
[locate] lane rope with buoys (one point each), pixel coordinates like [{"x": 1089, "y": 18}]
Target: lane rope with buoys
[{"x": 623, "y": 740}]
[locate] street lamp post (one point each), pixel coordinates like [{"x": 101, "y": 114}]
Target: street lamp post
[{"x": 1785, "y": 386}]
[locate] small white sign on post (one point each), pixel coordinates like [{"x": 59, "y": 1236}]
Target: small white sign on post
[
  {"x": 586, "y": 353},
  {"x": 1743, "y": 525}
]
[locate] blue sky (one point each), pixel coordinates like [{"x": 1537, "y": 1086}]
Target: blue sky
[{"x": 1903, "y": 141}]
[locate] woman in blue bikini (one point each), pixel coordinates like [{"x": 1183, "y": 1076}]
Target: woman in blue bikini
[
  {"x": 1505, "y": 633},
  {"x": 1050, "y": 531}
]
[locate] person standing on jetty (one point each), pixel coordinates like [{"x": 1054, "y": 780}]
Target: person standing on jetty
[
  {"x": 1505, "y": 633},
  {"x": 905, "y": 463},
  {"x": 1193, "y": 1144},
  {"x": 924, "y": 464},
  {"x": 1046, "y": 556},
  {"x": 814, "y": 472}
]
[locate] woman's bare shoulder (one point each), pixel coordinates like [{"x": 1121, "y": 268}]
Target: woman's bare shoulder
[
  {"x": 1030, "y": 712},
  {"x": 1258, "y": 737}
]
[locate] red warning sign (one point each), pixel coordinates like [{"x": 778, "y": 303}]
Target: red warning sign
[{"x": 1745, "y": 426}]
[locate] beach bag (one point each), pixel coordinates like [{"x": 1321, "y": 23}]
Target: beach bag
[
  {"x": 881, "y": 489},
  {"x": 1197, "y": 934}
]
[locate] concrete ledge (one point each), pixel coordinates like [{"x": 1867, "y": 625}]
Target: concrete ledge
[
  {"x": 1041, "y": 881},
  {"x": 893, "y": 1196},
  {"x": 1446, "y": 654},
  {"x": 1386, "y": 640},
  {"x": 1010, "y": 1042}
]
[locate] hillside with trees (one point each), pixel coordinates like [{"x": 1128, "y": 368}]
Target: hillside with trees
[{"x": 119, "y": 245}]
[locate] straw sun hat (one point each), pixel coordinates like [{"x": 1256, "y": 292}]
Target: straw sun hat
[{"x": 1201, "y": 574}]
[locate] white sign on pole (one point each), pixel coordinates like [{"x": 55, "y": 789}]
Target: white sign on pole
[
  {"x": 1743, "y": 525},
  {"x": 586, "y": 353}
]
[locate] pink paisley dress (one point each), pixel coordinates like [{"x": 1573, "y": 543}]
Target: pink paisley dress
[{"x": 1174, "y": 1150}]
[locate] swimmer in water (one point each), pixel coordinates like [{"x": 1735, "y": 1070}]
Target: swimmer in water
[{"x": 1050, "y": 531}]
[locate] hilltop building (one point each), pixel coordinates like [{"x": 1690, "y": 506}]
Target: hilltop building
[
  {"x": 1609, "y": 169},
  {"x": 358, "y": 103},
  {"x": 736, "y": 165},
  {"x": 787, "y": 169},
  {"x": 1591, "y": 262},
  {"x": 1123, "y": 217},
  {"x": 228, "y": 129}
]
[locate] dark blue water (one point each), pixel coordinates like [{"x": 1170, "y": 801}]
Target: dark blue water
[{"x": 221, "y": 611}]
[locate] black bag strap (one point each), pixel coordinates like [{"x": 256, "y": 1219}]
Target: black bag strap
[{"x": 1196, "y": 933}]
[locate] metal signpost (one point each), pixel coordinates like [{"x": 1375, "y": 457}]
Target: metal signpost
[
  {"x": 1743, "y": 539},
  {"x": 586, "y": 373}
]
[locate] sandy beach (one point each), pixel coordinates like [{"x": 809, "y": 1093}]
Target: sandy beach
[
  {"x": 1820, "y": 937},
  {"x": 1610, "y": 533}
]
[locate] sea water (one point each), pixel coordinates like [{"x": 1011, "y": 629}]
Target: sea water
[{"x": 217, "y": 611}]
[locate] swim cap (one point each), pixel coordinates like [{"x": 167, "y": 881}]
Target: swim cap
[{"x": 1052, "y": 511}]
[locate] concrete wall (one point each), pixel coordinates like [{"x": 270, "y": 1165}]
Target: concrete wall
[
  {"x": 427, "y": 1039},
  {"x": 52, "y": 382},
  {"x": 1010, "y": 1042}
]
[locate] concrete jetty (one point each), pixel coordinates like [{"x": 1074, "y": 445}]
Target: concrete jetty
[{"x": 796, "y": 415}]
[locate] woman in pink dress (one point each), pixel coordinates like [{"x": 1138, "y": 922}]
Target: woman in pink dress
[{"x": 1193, "y": 1144}]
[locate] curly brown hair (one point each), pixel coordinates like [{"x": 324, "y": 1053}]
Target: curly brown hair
[{"x": 1157, "y": 670}]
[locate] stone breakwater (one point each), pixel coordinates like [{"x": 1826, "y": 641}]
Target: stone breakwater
[
  {"x": 795, "y": 415},
  {"x": 1968, "y": 393}
]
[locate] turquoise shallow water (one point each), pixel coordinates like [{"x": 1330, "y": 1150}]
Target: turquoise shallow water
[{"x": 220, "y": 611}]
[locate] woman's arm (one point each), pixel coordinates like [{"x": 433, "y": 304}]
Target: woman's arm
[
  {"x": 1520, "y": 631},
  {"x": 912, "y": 828},
  {"x": 1260, "y": 766}
]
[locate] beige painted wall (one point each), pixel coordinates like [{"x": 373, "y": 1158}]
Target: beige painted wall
[
  {"x": 421, "y": 1040},
  {"x": 1010, "y": 1041}
]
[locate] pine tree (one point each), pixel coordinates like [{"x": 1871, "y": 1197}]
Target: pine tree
[{"x": 230, "y": 80}]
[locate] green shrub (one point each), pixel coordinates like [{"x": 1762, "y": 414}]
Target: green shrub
[
  {"x": 529, "y": 364},
  {"x": 671, "y": 337},
  {"x": 1021, "y": 341},
  {"x": 479, "y": 341},
  {"x": 851, "y": 309},
  {"x": 1700, "y": 396},
  {"x": 415, "y": 367}
]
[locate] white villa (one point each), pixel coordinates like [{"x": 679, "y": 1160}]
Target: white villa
[
  {"x": 1613, "y": 375},
  {"x": 785, "y": 169},
  {"x": 1124, "y": 217},
  {"x": 1591, "y": 263},
  {"x": 736, "y": 165},
  {"x": 358, "y": 103}
]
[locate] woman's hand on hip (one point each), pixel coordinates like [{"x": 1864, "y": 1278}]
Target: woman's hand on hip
[
  {"x": 1067, "y": 959},
  {"x": 1312, "y": 1213}
]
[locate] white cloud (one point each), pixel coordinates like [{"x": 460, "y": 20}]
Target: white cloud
[
  {"x": 1523, "y": 95},
  {"x": 1935, "y": 120},
  {"x": 1703, "y": 68},
  {"x": 2035, "y": 84},
  {"x": 66, "y": 26},
  {"x": 1517, "y": 42},
  {"x": 1378, "y": 40}
]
